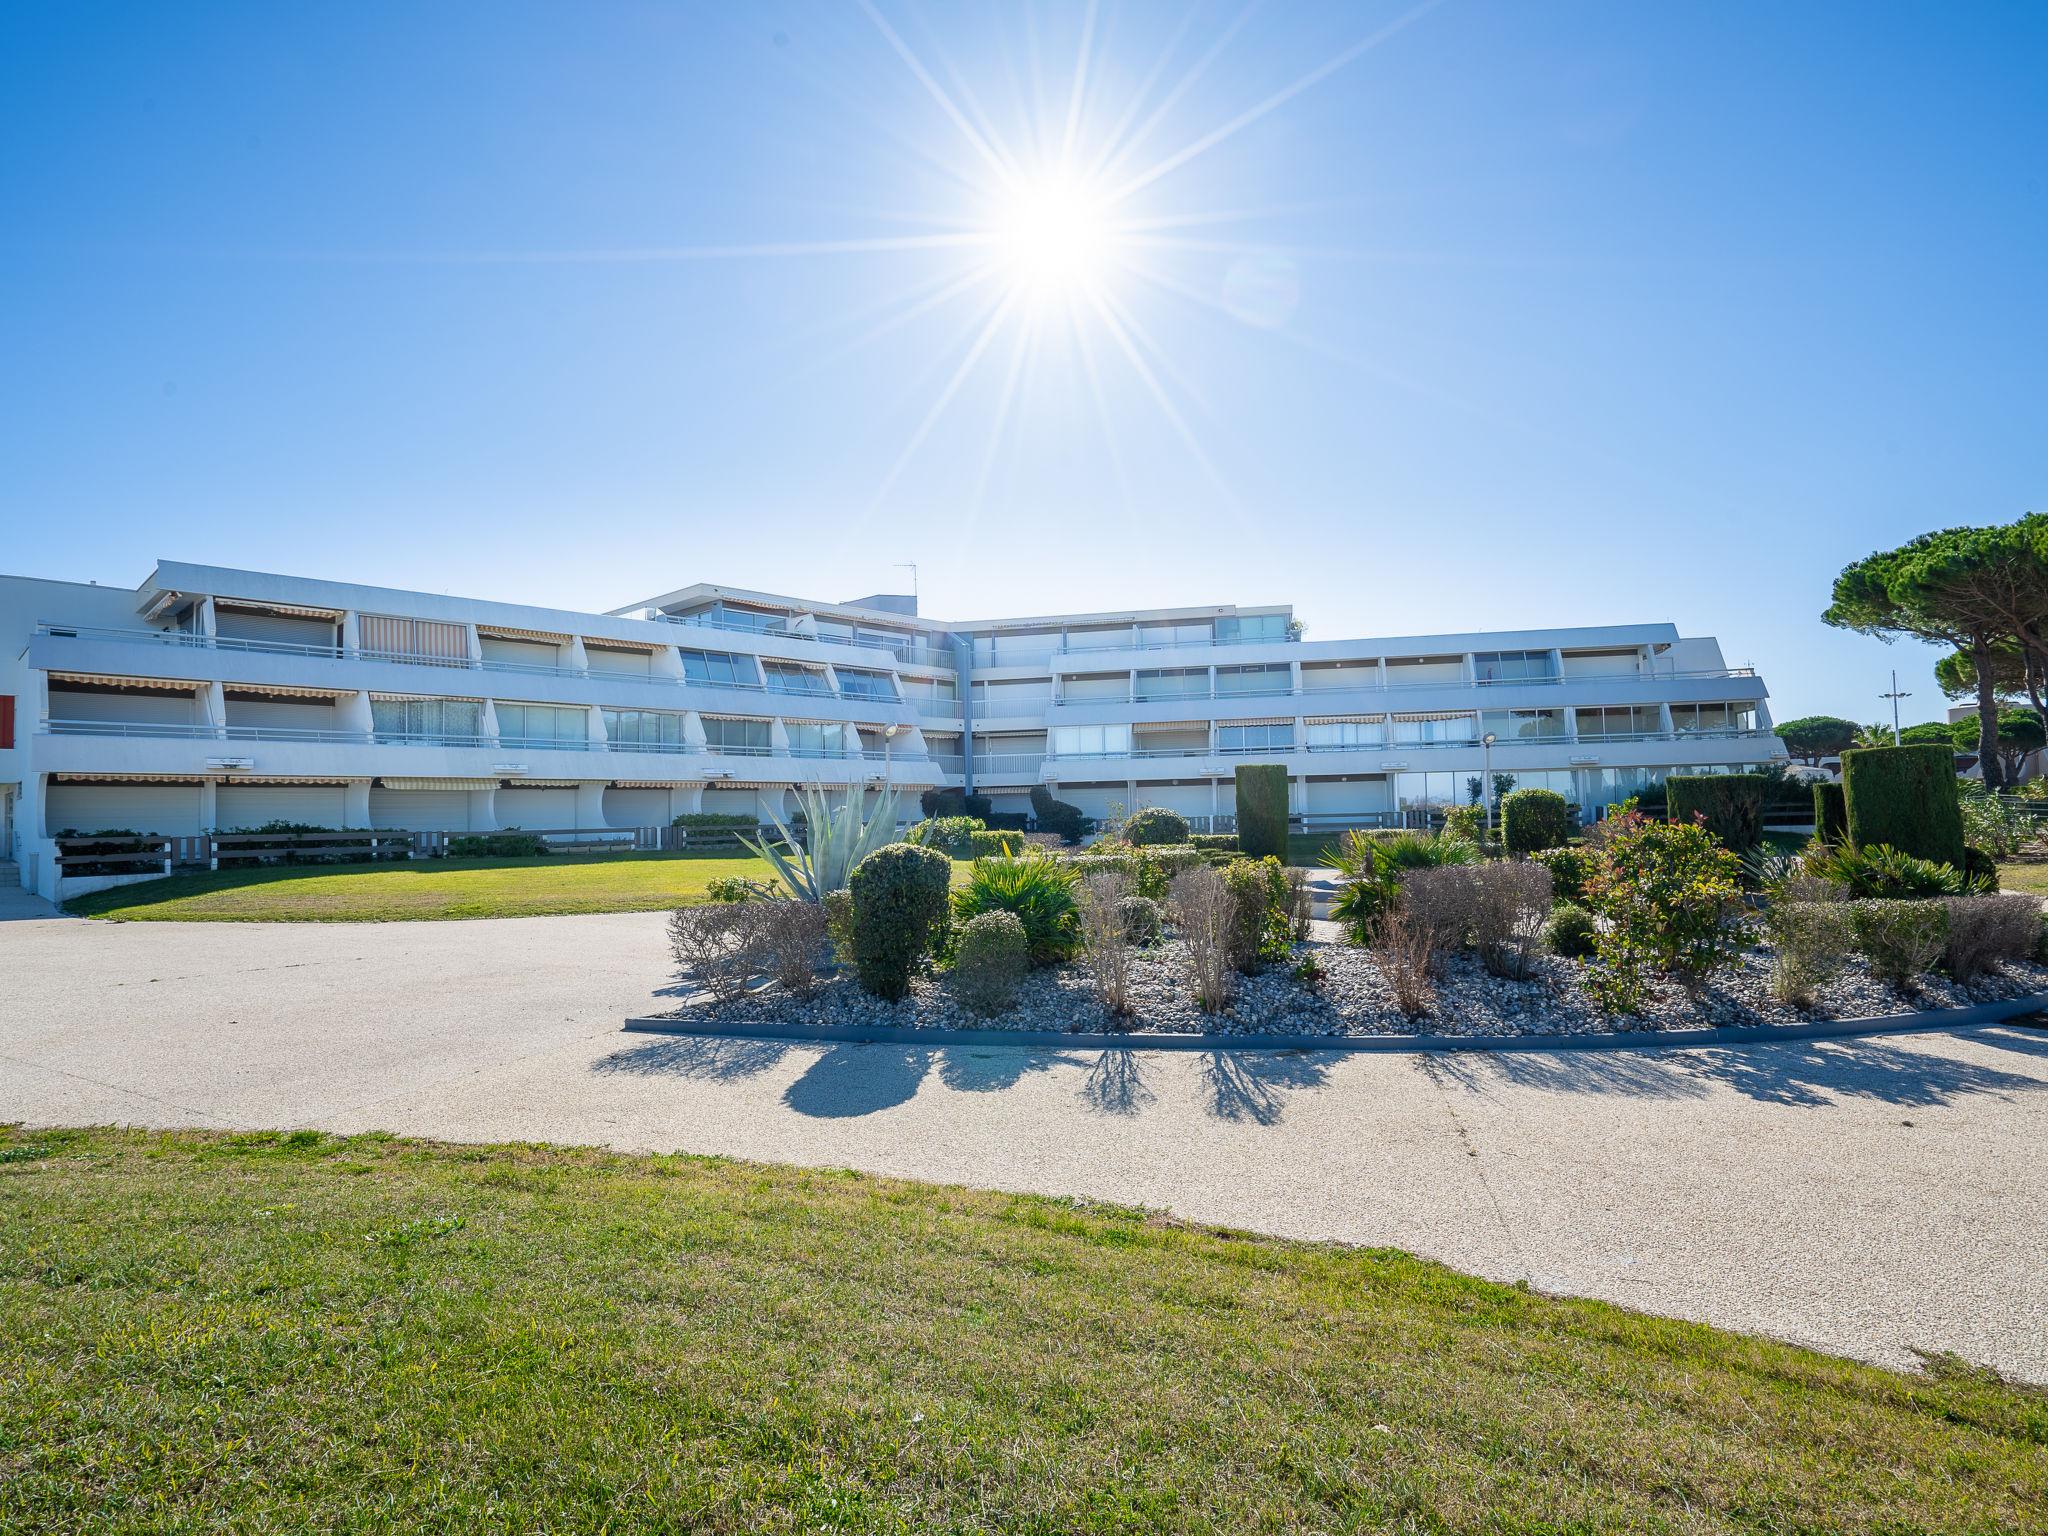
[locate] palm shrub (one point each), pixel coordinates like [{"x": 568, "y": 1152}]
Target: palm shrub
[
  {"x": 1878, "y": 872},
  {"x": 990, "y": 959},
  {"x": 1570, "y": 867},
  {"x": 1262, "y": 810},
  {"x": 1039, "y": 889},
  {"x": 1532, "y": 820},
  {"x": 1671, "y": 897},
  {"x": 1155, "y": 824},
  {"x": 1900, "y": 939},
  {"x": 835, "y": 838},
  {"x": 1905, "y": 798},
  {"x": 1261, "y": 912},
  {"x": 1372, "y": 865},
  {"x": 899, "y": 915},
  {"x": 1729, "y": 805}
]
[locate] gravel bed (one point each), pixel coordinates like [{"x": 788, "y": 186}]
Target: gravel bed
[{"x": 1353, "y": 999}]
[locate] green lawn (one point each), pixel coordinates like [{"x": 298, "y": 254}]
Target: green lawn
[
  {"x": 2032, "y": 878},
  {"x": 436, "y": 888},
  {"x": 267, "y": 1333}
]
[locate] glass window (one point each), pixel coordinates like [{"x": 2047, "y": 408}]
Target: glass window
[
  {"x": 427, "y": 719},
  {"x": 542, "y": 722},
  {"x": 814, "y": 738},
  {"x": 1523, "y": 724},
  {"x": 790, "y": 677},
  {"x": 1273, "y": 678},
  {"x": 1180, "y": 683},
  {"x": 1416, "y": 730},
  {"x": 1252, "y": 627},
  {"x": 1619, "y": 721},
  {"x": 1199, "y": 632},
  {"x": 1708, "y": 719},
  {"x": 723, "y": 734},
  {"x": 1511, "y": 666},
  {"x": 855, "y": 684},
  {"x": 748, "y": 618},
  {"x": 1255, "y": 738},
  {"x": 1332, "y": 734},
  {"x": 1090, "y": 740},
  {"x": 718, "y": 669},
  {"x": 1425, "y": 791},
  {"x": 644, "y": 727}
]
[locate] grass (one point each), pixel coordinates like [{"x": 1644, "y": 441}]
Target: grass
[
  {"x": 2031, "y": 878},
  {"x": 298, "y": 1332}
]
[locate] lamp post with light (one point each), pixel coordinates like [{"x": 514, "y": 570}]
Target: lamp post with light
[{"x": 1486, "y": 743}]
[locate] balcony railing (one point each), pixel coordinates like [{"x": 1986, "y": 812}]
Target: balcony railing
[{"x": 1066, "y": 648}]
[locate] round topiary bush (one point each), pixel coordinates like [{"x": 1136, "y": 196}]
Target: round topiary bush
[
  {"x": 990, "y": 959},
  {"x": 1155, "y": 824},
  {"x": 899, "y": 914},
  {"x": 1532, "y": 820},
  {"x": 1570, "y": 931},
  {"x": 1141, "y": 919}
]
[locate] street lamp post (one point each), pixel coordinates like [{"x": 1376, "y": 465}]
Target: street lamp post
[{"x": 1486, "y": 785}]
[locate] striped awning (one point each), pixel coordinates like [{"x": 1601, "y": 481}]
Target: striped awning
[
  {"x": 1348, "y": 719},
  {"x": 414, "y": 698},
  {"x": 133, "y": 778},
  {"x": 1437, "y": 714},
  {"x": 509, "y": 632},
  {"x": 388, "y": 782},
  {"x": 283, "y": 691},
  {"x": 1261, "y": 720},
  {"x": 116, "y": 680},
  {"x": 297, "y": 778},
  {"x": 287, "y": 610},
  {"x": 609, "y": 644},
  {"x": 656, "y": 783}
]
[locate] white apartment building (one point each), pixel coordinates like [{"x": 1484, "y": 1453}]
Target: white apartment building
[{"x": 210, "y": 699}]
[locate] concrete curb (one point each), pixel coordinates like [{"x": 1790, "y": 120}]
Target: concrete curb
[{"x": 1929, "y": 1022}]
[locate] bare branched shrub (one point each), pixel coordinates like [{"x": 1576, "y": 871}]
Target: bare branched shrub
[
  {"x": 1300, "y": 902},
  {"x": 1900, "y": 939},
  {"x": 791, "y": 939},
  {"x": 1204, "y": 913},
  {"x": 716, "y": 945},
  {"x": 1405, "y": 952},
  {"x": 1511, "y": 903},
  {"x": 1442, "y": 904},
  {"x": 1985, "y": 932},
  {"x": 1105, "y": 940},
  {"x": 1809, "y": 940}
]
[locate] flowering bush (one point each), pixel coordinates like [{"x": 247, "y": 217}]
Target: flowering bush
[{"x": 1672, "y": 899}]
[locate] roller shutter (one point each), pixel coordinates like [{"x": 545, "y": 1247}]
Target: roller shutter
[
  {"x": 537, "y": 810},
  {"x": 631, "y": 663},
  {"x": 526, "y": 653},
  {"x": 162, "y": 810},
  {"x": 732, "y": 802},
  {"x": 256, "y": 805},
  {"x": 1188, "y": 799},
  {"x": 1348, "y": 797},
  {"x": 420, "y": 810},
  {"x": 275, "y": 628},
  {"x": 636, "y": 808}
]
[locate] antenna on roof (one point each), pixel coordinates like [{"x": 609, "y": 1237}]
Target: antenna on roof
[{"x": 910, "y": 566}]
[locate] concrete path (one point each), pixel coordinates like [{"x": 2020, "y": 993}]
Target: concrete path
[{"x": 1868, "y": 1197}]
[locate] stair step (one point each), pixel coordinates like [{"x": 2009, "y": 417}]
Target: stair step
[{"x": 10, "y": 872}]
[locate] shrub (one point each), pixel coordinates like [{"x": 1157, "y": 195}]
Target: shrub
[
  {"x": 952, "y": 801},
  {"x": 1372, "y": 864},
  {"x": 1808, "y": 942},
  {"x": 509, "y": 844},
  {"x": 791, "y": 938},
  {"x": 1155, "y": 824},
  {"x": 1830, "y": 812},
  {"x": 995, "y": 845},
  {"x": 1141, "y": 918},
  {"x": 1467, "y": 822},
  {"x": 1057, "y": 816},
  {"x": 714, "y": 821},
  {"x": 1570, "y": 868},
  {"x": 1104, "y": 941},
  {"x": 1671, "y": 896},
  {"x": 1729, "y": 805},
  {"x": 1511, "y": 907},
  {"x": 1980, "y": 872},
  {"x": 1881, "y": 873},
  {"x": 714, "y": 944},
  {"x": 1904, "y": 798},
  {"x": 1039, "y": 889},
  {"x": 1532, "y": 820},
  {"x": 990, "y": 960},
  {"x": 1204, "y": 913},
  {"x": 732, "y": 888},
  {"x": 1214, "y": 842},
  {"x": 1300, "y": 902},
  {"x": 1570, "y": 931},
  {"x": 1402, "y": 948},
  {"x": 1262, "y": 810},
  {"x": 1900, "y": 939},
  {"x": 951, "y": 835},
  {"x": 1442, "y": 903},
  {"x": 1261, "y": 919},
  {"x": 899, "y": 914},
  {"x": 1985, "y": 932},
  {"x": 1421, "y": 850},
  {"x": 838, "y": 907},
  {"x": 1151, "y": 869}
]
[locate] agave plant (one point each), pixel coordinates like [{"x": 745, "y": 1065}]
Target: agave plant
[{"x": 834, "y": 839}]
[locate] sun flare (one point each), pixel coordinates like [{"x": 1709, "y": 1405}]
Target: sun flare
[{"x": 1054, "y": 235}]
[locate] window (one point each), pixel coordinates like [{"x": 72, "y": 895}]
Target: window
[
  {"x": 1619, "y": 722},
  {"x": 1706, "y": 719},
  {"x": 1276, "y": 678},
  {"x": 1090, "y": 740},
  {"x": 1201, "y": 633},
  {"x": 744, "y": 737},
  {"x": 1331, "y": 735},
  {"x": 542, "y": 722},
  {"x": 790, "y": 677},
  {"x": 1118, "y": 638},
  {"x": 1512, "y": 666},
  {"x": 718, "y": 669},
  {"x": 814, "y": 738},
  {"x": 414, "y": 640},
  {"x": 1523, "y": 724},
  {"x": 855, "y": 684},
  {"x": 1255, "y": 738},
  {"x": 747, "y": 618},
  {"x": 1424, "y": 730},
  {"x": 644, "y": 728},
  {"x": 1181, "y": 683},
  {"x": 1252, "y": 626},
  {"x": 426, "y": 719}
]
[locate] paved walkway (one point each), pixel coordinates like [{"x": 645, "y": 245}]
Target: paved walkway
[{"x": 1871, "y": 1198}]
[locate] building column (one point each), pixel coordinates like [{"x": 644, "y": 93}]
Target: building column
[
  {"x": 209, "y": 805},
  {"x": 667, "y": 663},
  {"x": 213, "y": 704},
  {"x": 578, "y": 659},
  {"x": 483, "y": 809},
  {"x": 589, "y": 803},
  {"x": 778, "y": 736},
  {"x": 351, "y": 632},
  {"x": 352, "y": 712},
  {"x": 685, "y": 799},
  {"x": 594, "y": 724},
  {"x": 207, "y": 618},
  {"x": 1664, "y": 719},
  {"x": 355, "y": 803},
  {"x": 694, "y": 739},
  {"x": 488, "y": 724}
]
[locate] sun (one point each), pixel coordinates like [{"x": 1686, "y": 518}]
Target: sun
[{"x": 1053, "y": 234}]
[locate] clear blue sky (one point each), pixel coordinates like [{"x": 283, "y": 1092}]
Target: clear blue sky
[{"x": 1522, "y": 314}]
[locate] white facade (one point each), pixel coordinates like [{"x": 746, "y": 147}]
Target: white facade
[{"x": 210, "y": 699}]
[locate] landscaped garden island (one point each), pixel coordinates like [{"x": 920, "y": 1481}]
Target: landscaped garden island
[{"x": 1676, "y": 915}]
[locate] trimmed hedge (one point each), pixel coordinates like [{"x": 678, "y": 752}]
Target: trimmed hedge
[
  {"x": 1830, "y": 812},
  {"x": 1153, "y": 825},
  {"x": 1262, "y": 810},
  {"x": 1532, "y": 820},
  {"x": 952, "y": 801},
  {"x": 1731, "y": 805},
  {"x": 994, "y": 845},
  {"x": 1214, "y": 842},
  {"x": 899, "y": 914},
  {"x": 1057, "y": 816},
  {"x": 1904, "y": 797},
  {"x": 716, "y": 821}
]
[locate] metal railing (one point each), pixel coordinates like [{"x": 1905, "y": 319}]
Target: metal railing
[{"x": 1135, "y": 644}]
